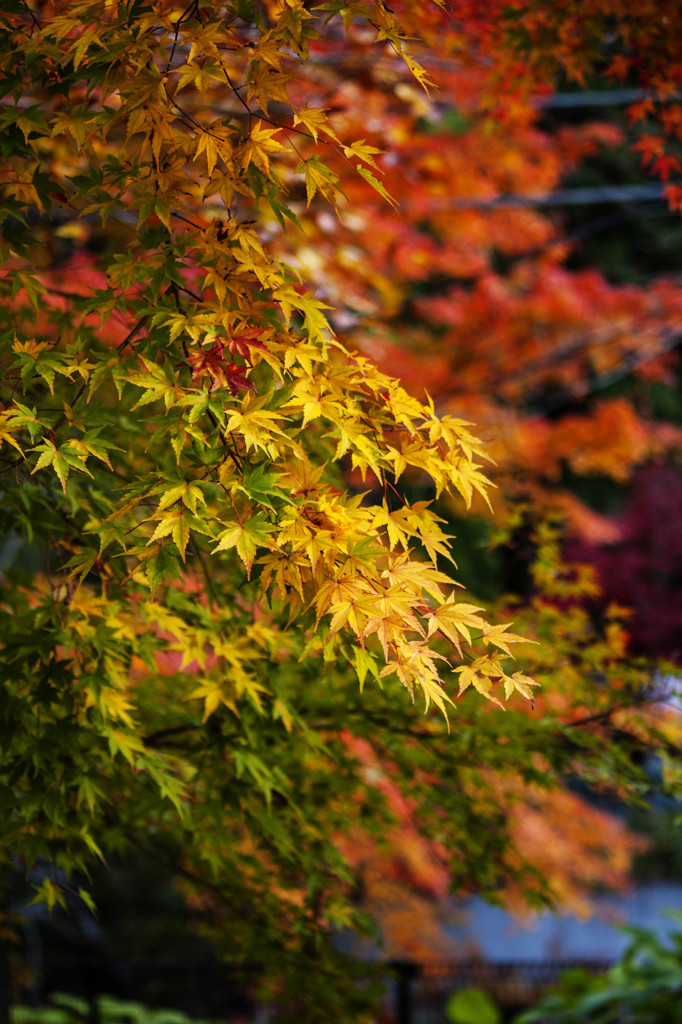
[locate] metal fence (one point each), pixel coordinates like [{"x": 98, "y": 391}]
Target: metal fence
[
  {"x": 422, "y": 990},
  {"x": 416, "y": 993}
]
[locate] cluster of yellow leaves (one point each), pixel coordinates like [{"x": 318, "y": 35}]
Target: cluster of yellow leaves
[{"x": 351, "y": 561}]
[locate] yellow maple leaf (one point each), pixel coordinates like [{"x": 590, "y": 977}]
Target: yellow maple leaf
[
  {"x": 454, "y": 619},
  {"x": 314, "y": 119},
  {"x": 259, "y": 146}
]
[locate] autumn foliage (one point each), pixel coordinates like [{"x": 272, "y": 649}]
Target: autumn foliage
[{"x": 240, "y": 241}]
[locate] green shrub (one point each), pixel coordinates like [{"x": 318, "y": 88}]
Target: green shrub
[
  {"x": 65, "y": 1009},
  {"x": 472, "y": 1006},
  {"x": 644, "y": 987}
]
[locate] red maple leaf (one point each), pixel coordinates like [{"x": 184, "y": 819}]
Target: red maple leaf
[
  {"x": 243, "y": 340},
  {"x": 211, "y": 362}
]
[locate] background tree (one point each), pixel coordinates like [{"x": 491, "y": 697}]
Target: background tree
[{"x": 473, "y": 292}]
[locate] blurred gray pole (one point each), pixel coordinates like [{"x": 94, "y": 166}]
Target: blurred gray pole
[{"x": 405, "y": 971}]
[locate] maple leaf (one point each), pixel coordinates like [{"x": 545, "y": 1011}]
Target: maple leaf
[
  {"x": 365, "y": 664},
  {"x": 673, "y": 194},
  {"x": 499, "y": 637},
  {"x": 158, "y": 382},
  {"x": 395, "y": 524},
  {"x": 259, "y": 146},
  {"x": 177, "y": 522},
  {"x": 6, "y": 436},
  {"x": 257, "y": 425},
  {"x": 243, "y": 339},
  {"x": 62, "y": 459},
  {"x": 247, "y": 537},
  {"x": 419, "y": 72},
  {"x": 424, "y": 523},
  {"x": 454, "y": 619},
  {"x": 375, "y": 183},
  {"x": 619, "y": 67},
  {"x": 319, "y": 178},
  {"x": 211, "y": 363},
  {"x": 363, "y": 151},
  {"x": 481, "y": 683},
  {"x": 268, "y": 49},
  {"x": 213, "y": 695},
  {"x": 414, "y": 664},
  {"x": 313, "y": 120},
  {"x": 521, "y": 682},
  {"x": 213, "y": 143},
  {"x": 199, "y": 74},
  {"x": 344, "y": 596},
  {"x": 188, "y": 492},
  {"x": 416, "y": 576},
  {"x": 387, "y": 615},
  {"x": 651, "y": 147},
  {"x": 665, "y": 165}
]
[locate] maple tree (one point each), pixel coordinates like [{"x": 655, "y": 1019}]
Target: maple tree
[{"x": 218, "y": 514}]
